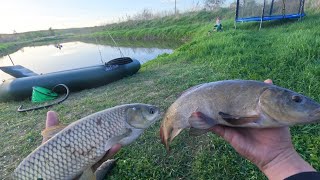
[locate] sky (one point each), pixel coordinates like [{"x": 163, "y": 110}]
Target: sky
[{"x": 31, "y": 15}]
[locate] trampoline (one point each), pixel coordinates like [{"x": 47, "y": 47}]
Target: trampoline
[{"x": 268, "y": 10}]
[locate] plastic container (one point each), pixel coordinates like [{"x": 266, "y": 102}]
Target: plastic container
[{"x": 40, "y": 94}]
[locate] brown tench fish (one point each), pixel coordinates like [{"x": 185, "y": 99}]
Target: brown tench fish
[
  {"x": 237, "y": 103},
  {"x": 83, "y": 143}
]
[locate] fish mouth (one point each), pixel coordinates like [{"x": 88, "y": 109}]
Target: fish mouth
[
  {"x": 158, "y": 117},
  {"x": 315, "y": 115}
]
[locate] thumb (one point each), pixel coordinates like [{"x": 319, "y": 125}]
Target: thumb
[
  {"x": 218, "y": 130},
  {"x": 52, "y": 126},
  {"x": 52, "y": 119}
]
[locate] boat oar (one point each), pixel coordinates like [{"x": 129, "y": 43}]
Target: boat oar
[{"x": 20, "y": 109}]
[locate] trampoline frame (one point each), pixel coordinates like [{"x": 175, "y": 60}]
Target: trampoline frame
[{"x": 271, "y": 17}]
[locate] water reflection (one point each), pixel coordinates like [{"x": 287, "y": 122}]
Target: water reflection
[{"x": 48, "y": 58}]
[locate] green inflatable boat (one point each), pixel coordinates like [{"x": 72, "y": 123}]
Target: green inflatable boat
[{"x": 20, "y": 87}]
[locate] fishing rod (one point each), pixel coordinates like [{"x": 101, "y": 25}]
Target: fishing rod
[
  {"x": 115, "y": 44},
  {"x": 99, "y": 50},
  {"x": 10, "y": 59}
]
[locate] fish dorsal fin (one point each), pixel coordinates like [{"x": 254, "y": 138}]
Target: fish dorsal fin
[
  {"x": 199, "y": 120},
  {"x": 190, "y": 89},
  {"x": 238, "y": 120}
]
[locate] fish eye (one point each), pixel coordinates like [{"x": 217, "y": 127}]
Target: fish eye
[
  {"x": 151, "y": 111},
  {"x": 296, "y": 98}
]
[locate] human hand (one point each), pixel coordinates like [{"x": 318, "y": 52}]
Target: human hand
[
  {"x": 53, "y": 126},
  {"x": 270, "y": 149}
]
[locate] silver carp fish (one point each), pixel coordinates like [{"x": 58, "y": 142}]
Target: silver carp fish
[
  {"x": 236, "y": 103},
  {"x": 83, "y": 143}
]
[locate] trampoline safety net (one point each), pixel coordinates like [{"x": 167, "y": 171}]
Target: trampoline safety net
[{"x": 264, "y": 10}]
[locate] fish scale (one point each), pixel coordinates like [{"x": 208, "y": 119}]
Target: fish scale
[{"x": 78, "y": 146}]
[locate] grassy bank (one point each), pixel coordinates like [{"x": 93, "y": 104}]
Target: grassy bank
[
  {"x": 13, "y": 46},
  {"x": 180, "y": 27},
  {"x": 288, "y": 52},
  {"x": 10, "y": 43}
]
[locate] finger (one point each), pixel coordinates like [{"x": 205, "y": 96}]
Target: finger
[
  {"x": 268, "y": 81},
  {"x": 114, "y": 149},
  {"x": 227, "y": 133},
  {"x": 218, "y": 130},
  {"x": 52, "y": 119}
]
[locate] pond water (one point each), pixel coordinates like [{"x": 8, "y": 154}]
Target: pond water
[{"x": 51, "y": 58}]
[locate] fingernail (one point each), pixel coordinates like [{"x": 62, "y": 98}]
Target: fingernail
[{"x": 268, "y": 81}]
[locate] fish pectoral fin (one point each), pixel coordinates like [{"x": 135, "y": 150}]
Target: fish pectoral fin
[
  {"x": 197, "y": 132},
  {"x": 87, "y": 175},
  {"x": 104, "y": 169},
  {"x": 199, "y": 120},
  {"x": 116, "y": 139},
  {"x": 238, "y": 120}
]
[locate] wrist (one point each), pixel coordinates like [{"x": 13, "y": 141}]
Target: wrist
[{"x": 286, "y": 164}]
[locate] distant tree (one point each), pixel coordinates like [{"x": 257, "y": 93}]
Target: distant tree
[
  {"x": 251, "y": 8},
  {"x": 233, "y": 5},
  {"x": 51, "y": 32},
  {"x": 128, "y": 17},
  {"x": 146, "y": 14},
  {"x": 313, "y": 4},
  {"x": 196, "y": 6},
  {"x": 213, "y": 4}
]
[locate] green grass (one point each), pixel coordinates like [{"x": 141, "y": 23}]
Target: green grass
[
  {"x": 4, "y": 47},
  {"x": 183, "y": 27},
  {"x": 287, "y": 52}
]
